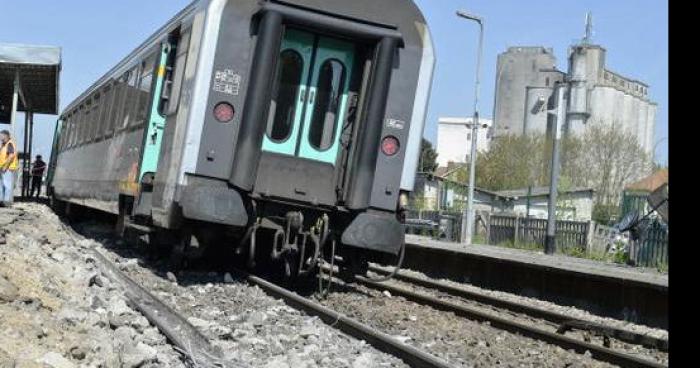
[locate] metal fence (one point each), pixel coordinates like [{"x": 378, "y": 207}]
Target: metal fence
[
  {"x": 510, "y": 229},
  {"x": 651, "y": 250}
]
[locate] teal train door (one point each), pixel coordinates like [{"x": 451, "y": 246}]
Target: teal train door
[
  {"x": 287, "y": 108},
  {"x": 311, "y": 96},
  {"x": 156, "y": 121}
]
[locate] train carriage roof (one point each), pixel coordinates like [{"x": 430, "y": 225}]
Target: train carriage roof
[{"x": 401, "y": 14}]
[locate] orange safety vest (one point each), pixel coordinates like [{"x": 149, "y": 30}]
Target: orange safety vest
[{"x": 14, "y": 165}]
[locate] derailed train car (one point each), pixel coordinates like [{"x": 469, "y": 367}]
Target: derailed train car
[{"x": 298, "y": 122}]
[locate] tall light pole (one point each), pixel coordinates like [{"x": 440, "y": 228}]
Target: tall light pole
[
  {"x": 468, "y": 225},
  {"x": 656, "y": 146},
  {"x": 559, "y": 115}
]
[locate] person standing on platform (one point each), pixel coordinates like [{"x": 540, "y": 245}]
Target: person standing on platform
[
  {"x": 37, "y": 176},
  {"x": 9, "y": 163}
]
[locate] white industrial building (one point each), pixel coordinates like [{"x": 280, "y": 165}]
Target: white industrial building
[
  {"x": 526, "y": 77},
  {"x": 454, "y": 141}
]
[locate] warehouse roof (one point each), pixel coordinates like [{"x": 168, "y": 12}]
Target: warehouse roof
[{"x": 651, "y": 182}]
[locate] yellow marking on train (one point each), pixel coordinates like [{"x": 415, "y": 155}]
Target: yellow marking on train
[{"x": 161, "y": 70}]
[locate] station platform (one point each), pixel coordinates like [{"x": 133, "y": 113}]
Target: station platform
[{"x": 611, "y": 290}]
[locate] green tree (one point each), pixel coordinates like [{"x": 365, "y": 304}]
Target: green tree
[
  {"x": 512, "y": 162},
  {"x": 428, "y": 157}
]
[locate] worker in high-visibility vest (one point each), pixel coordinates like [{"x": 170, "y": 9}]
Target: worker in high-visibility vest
[{"x": 9, "y": 163}]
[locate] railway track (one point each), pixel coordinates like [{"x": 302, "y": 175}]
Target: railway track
[
  {"x": 565, "y": 322},
  {"x": 381, "y": 341},
  {"x": 186, "y": 337},
  {"x": 512, "y": 325},
  {"x": 195, "y": 346}
]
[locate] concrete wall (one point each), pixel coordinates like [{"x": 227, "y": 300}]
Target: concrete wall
[
  {"x": 535, "y": 117},
  {"x": 454, "y": 139},
  {"x": 518, "y": 68},
  {"x": 597, "y": 93},
  {"x": 574, "y": 206},
  {"x": 608, "y": 97}
]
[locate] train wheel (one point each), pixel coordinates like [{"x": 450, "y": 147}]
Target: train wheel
[{"x": 290, "y": 262}]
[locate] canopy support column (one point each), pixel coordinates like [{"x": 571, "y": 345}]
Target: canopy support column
[
  {"x": 29, "y": 151},
  {"x": 15, "y": 101},
  {"x": 25, "y": 168}
]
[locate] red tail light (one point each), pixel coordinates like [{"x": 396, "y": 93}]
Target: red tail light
[
  {"x": 224, "y": 112},
  {"x": 390, "y": 145}
]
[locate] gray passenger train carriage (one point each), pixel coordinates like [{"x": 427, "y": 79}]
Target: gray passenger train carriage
[{"x": 302, "y": 119}]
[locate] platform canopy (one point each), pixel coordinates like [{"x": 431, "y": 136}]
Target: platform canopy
[{"x": 37, "y": 69}]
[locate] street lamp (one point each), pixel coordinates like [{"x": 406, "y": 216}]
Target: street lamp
[
  {"x": 656, "y": 146},
  {"x": 468, "y": 225}
]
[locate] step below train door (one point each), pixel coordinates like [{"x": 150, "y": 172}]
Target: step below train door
[{"x": 301, "y": 147}]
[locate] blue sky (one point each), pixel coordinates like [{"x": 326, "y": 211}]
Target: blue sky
[{"x": 95, "y": 35}]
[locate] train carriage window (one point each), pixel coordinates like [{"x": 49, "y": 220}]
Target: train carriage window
[
  {"x": 76, "y": 126},
  {"x": 107, "y": 102},
  {"x": 95, "y": 113},
  {"x": 331, "y": 84},
  {"x": 115, "y": 118},
  {"x": 85, "y": 123},
  {"x": 64, "y": 133},
  {"x": 283, "y": 107},
  {"x": 130, "y": 95},
  {"x": 144, "y": 89},
  {"x": 69, "y": 129}
]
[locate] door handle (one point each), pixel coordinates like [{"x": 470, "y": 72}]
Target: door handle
[
  {"x": 302, "y": 95},
  {"x": 311, "y": 98}
]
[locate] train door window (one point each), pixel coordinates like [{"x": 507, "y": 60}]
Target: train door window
[
  {"x": 289, "y": 93},
  {"x": 283, "y": 108},
  {"x": 330, "y": 88},
  {"x": 169, "y": 105}
]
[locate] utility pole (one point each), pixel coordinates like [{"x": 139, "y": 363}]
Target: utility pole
[
  {"x": 558, "y": 118},
  {"x": 468, "y": 223}
]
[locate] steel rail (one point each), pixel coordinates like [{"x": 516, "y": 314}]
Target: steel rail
[
  {"x": 565, "y": 322},
  {"x": 381, "y": 341},
  {"x": 186, "y": 338},
  {"x": 568, "y": 343}
]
